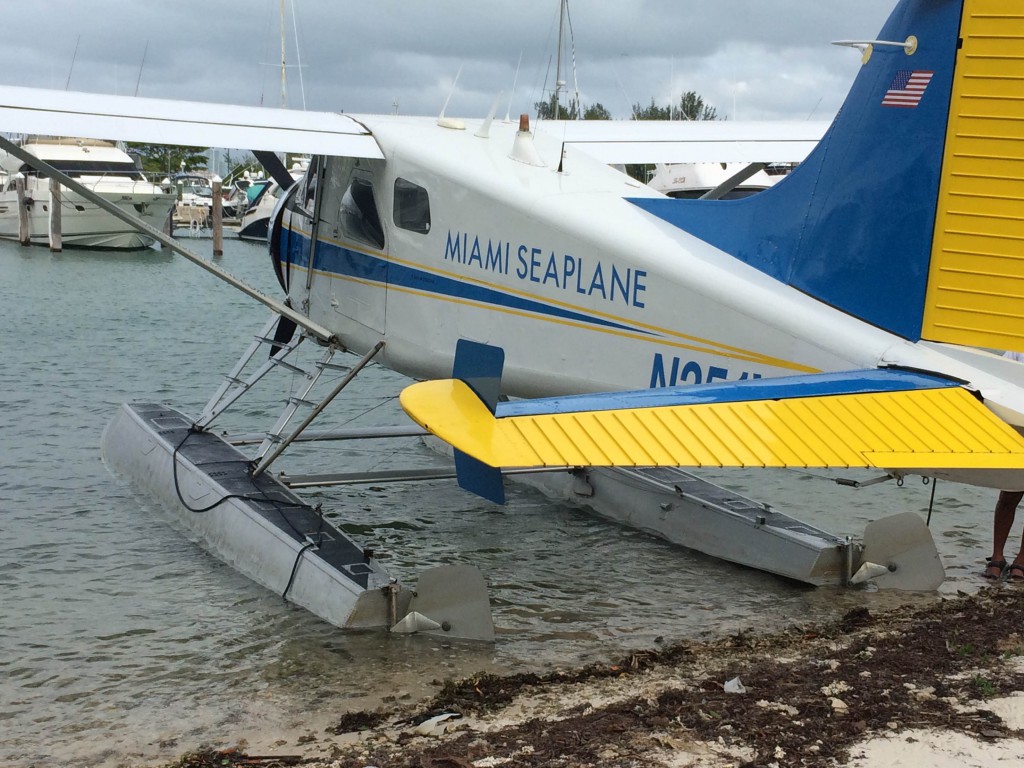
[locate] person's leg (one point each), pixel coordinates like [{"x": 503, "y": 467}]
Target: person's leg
[
  {"x": 1006, "y": 508},
  {"x": 1016, "y": 572}
]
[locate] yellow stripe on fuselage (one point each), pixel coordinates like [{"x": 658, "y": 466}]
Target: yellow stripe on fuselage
[
  {"x": 945, "y": 428},
  {"x": 976, "y": 280}
]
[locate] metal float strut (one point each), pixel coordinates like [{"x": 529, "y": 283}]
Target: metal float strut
[{"x": 266, "y": 462}]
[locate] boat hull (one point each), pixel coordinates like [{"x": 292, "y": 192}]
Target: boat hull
[
  {"x": 254, "y": 229},
  {"x": 84, "y": 224}
]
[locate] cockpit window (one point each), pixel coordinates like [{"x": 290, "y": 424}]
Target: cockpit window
[
  {"x": 304, "y": 201},
  {"x": 412, "y": 207},
  {"x": 359, "y": 217},
  {"x": 309, "y": 182}
]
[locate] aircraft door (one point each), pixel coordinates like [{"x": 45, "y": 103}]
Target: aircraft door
[{"x": 350, "y": 277}]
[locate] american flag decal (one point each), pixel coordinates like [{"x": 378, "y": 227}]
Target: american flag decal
[{"x": 907, "y": 88}]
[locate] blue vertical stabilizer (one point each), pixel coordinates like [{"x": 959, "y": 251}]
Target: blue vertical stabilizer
[{"x": 853, "y": 225}]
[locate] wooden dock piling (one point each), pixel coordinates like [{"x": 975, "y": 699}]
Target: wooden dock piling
[
  {"x": 55, "y": 221},
  {"x": 218, "y": 217},
  {"x": 24, "y": 235}
]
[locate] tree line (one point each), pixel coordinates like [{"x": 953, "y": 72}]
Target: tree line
[
  {"x": 167, "y": 160},
  {"x": 691, "y": 106}
]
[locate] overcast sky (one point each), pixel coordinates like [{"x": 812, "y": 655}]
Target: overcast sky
[{"x": 751, "y": 59}]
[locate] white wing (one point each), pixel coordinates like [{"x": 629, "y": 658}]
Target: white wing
[
  {"x": 90, "y": 115},
  {"x": 191, "y": 123}
]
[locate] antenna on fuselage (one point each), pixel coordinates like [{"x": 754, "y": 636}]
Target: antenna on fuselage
[
  {"x": 485, "y": 128},
  {"x": 451, "y": 122},
  {"x": 508, "y": 109}
]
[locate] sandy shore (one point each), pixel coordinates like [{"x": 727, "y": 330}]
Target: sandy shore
[{"x": 940, "y": 686}]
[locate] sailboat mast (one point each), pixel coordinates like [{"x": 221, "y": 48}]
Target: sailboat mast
[
  {"x": 283, "y": 62},
  {"x": 559, "y": 82}
]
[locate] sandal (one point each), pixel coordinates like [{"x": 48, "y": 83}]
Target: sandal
[
  {"x": 1001, "y": 565},
  {"x": 1015, "y": 574}
]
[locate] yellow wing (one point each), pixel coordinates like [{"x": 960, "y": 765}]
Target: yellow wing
[{"x": 920, "y": 428}]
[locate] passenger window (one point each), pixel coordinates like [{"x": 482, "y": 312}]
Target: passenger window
[
  {"x": 412, "y": 207},
  {"x": 359, "y": 217}
]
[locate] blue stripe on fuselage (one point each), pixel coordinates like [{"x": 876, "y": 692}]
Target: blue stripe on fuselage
[{"x": 342, "y": 261}]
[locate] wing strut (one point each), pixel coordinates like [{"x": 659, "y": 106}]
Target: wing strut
[
  {"x": 277, "y": 170},
  {"x": 280, "y": 307}
]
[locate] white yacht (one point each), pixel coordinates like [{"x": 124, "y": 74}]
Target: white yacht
[
  {"x": 102, "y": 167},
  {"x": 193, "y": 189},
  {"x": 256, "y": 219}
]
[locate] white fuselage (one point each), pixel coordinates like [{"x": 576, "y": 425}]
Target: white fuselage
[
  {"x": 101, "y": 167},
  {"x": 582, "y": 289}
]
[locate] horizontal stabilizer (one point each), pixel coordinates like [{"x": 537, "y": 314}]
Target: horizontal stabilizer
[
  {"x": 688, "y": 141},
  {"x": 885, "y": 419}
]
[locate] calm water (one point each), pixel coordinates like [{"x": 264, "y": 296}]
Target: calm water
[{"x": 120, "y": 637}]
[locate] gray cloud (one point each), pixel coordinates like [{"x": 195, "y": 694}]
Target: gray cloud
[{"x": 752, "y": 60}]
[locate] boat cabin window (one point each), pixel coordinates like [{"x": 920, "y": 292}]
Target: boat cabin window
[
  {"x": 359, "y": 217},
  {"x": 412, "y": 206},
  {"x": 195, "y": 189},
  {"x": 255, "y": 189},
  {"x": 76, "y": 168}
]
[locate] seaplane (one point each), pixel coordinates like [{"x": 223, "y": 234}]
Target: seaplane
[{"x": 565, "y": 323}]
